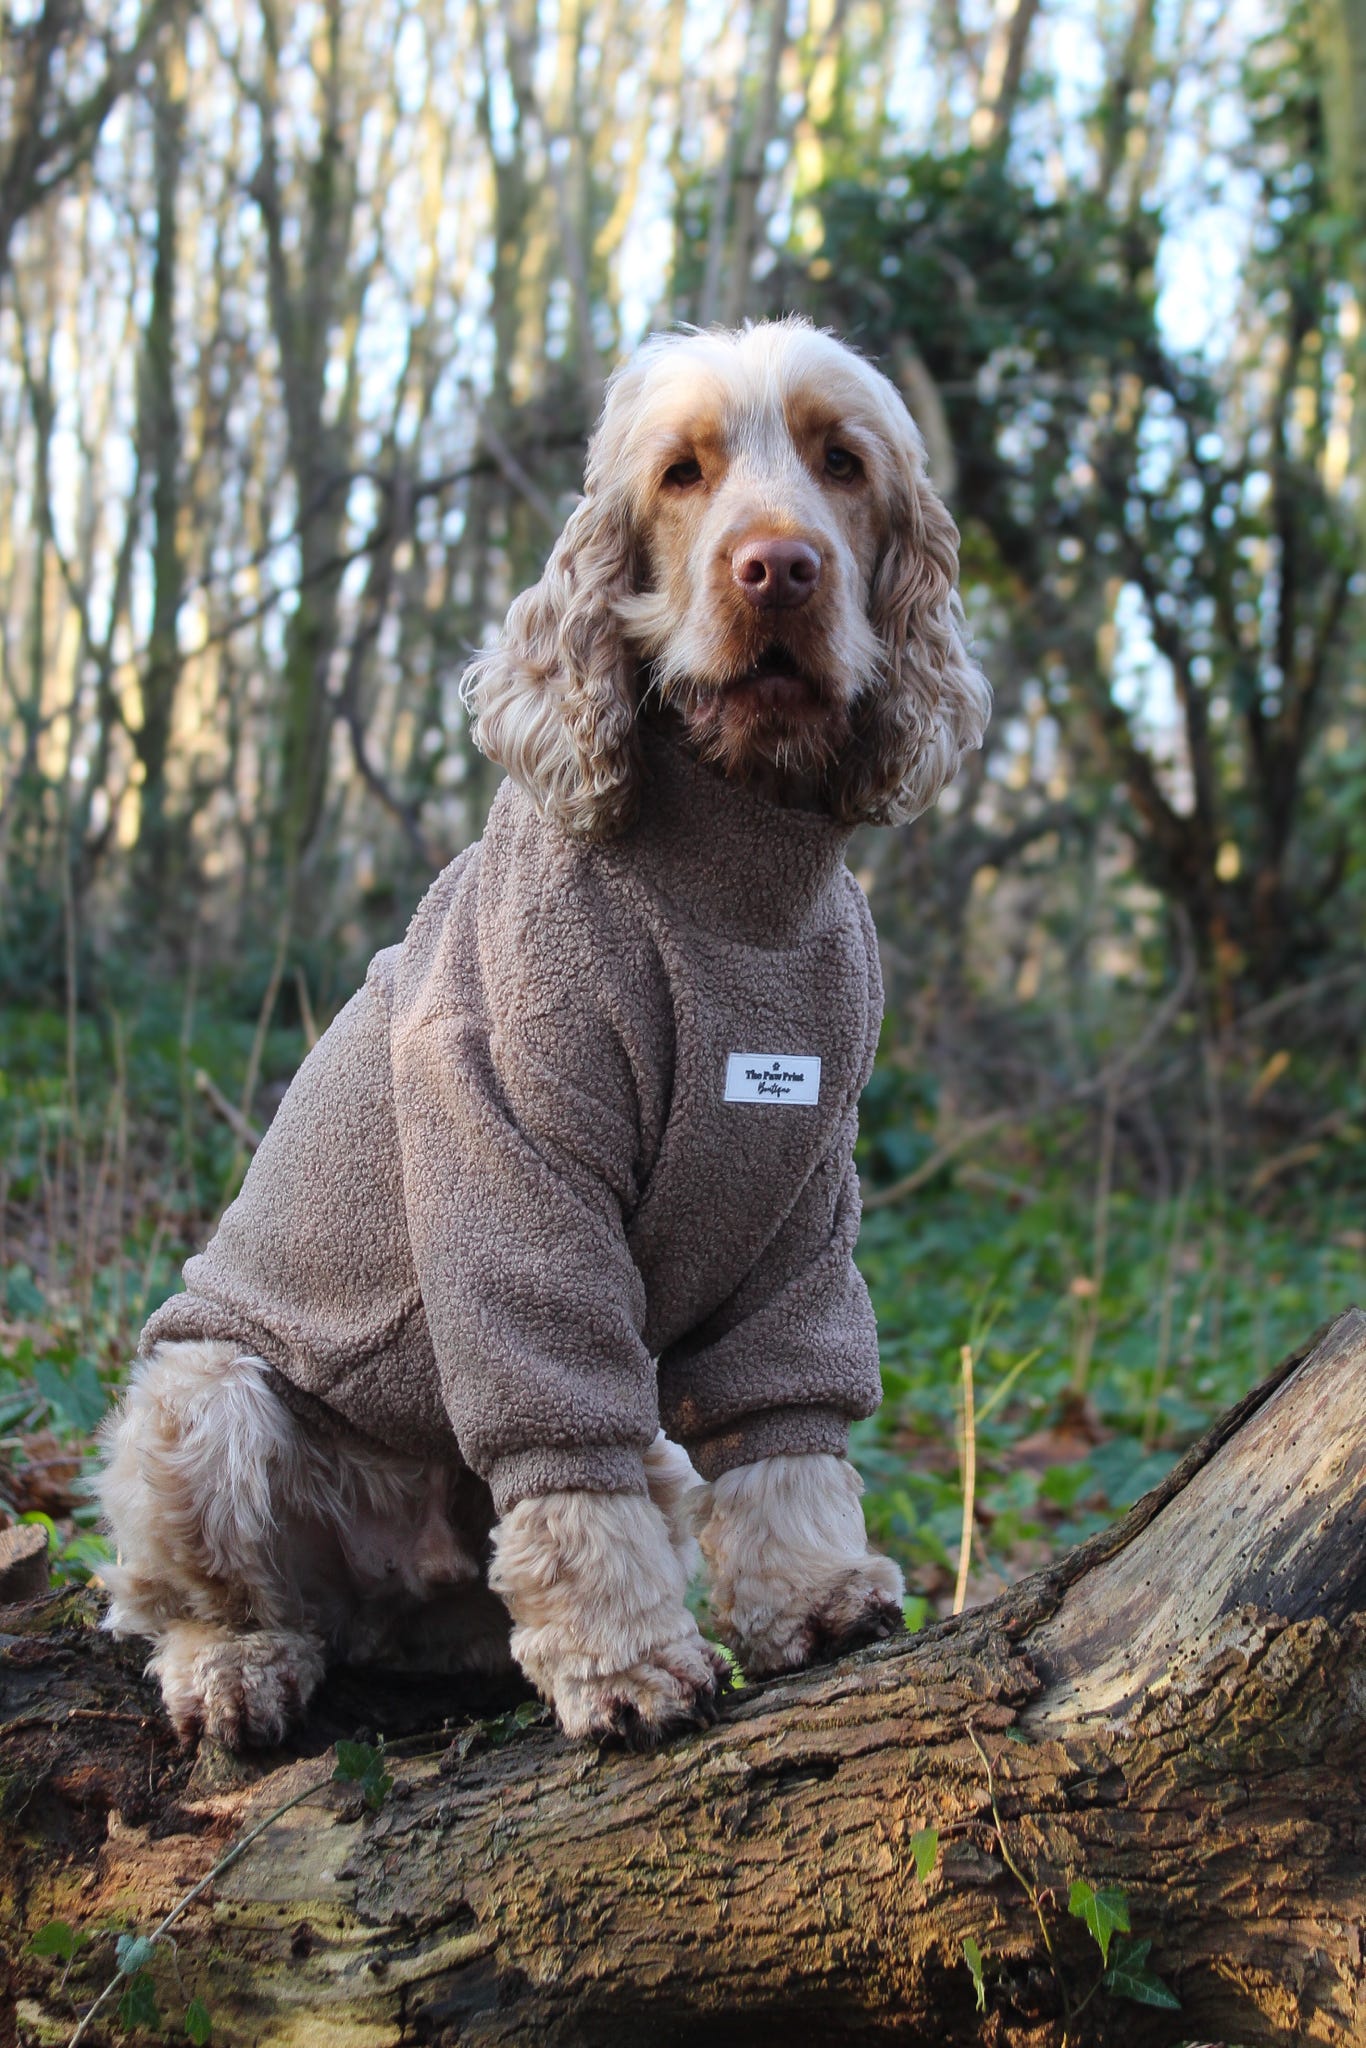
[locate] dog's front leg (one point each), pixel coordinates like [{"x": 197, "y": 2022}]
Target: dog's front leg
[
  {"x": 596, "y": 1591},
  {"x": 793, "y": 1581}
]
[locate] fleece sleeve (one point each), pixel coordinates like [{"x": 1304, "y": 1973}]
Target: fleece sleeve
[
  {"x": 519, "y": 1131},
  {"x": 792, "y": 1357}
]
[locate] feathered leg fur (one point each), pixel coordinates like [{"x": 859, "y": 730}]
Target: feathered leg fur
[
  {"x": 793, "y": 1581},
  {"x": 596, "y": 1585},
  {"x": 252, "y": 1551}
]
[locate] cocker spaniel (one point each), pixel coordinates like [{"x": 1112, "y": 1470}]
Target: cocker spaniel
[{"x": 577, "y": 1161}]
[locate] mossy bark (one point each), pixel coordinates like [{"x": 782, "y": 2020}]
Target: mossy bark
[{"x": 1178, "y": 1710}]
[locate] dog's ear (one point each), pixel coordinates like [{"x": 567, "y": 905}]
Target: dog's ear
[
  {"x": 931, "y": 702},
  {"x": 553, "y": 701}
]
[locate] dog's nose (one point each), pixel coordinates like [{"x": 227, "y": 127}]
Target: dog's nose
[{"x": 776, "y": 575}]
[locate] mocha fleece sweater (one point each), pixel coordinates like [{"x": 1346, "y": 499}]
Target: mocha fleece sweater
[{"x": 578, "y": 1158}]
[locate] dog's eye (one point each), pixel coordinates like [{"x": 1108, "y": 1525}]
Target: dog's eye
[
  {"x": 842, "y": 465},
  {"x": 681, "y": 476}
]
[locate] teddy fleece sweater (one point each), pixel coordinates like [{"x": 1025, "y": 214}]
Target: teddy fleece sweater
[{"x": 578, "y": 1158}]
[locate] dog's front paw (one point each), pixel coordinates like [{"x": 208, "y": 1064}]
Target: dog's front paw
[
  {"x": 245, "y": 1691},
  {"x": 596, "y": 1591},
  {"x": 793, "y": 1581},
  {"x": 858, "y": 1605},
  {"x": 675, "y": 1688}
]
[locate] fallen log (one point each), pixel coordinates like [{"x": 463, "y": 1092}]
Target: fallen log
[{"x": 1175, "y": 1713}]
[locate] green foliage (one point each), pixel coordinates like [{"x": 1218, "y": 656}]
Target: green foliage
[
  {"x": 137, "y": 1142},
  {"x": 138, "y": 2006},
  {"x": 198, "y": 2022},
  {"x": 133, "y": 1952},
  {"x": 59, "y": 1938},
  {"x": 1129, "y": 1977},
  {"x": 504, "y": 1728},
  {"x": 924, "y": 1846},
  {"x": 972, "y": 1956},
  {"x": 1060, "y": 280},
  {"x": 1105, "y": 1913},
  {"x": 360, "y": 1763},
  {"x": 953, "y": 1264}
]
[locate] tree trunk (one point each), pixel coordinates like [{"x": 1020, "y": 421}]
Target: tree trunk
[{"x": 1176, "y": 1710}]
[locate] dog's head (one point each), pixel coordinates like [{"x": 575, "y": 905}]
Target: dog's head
[{"x": 758, "y": 543}]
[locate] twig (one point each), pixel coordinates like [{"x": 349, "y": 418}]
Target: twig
[
  {"x": 24, "y": 1722},
  {"x": 241, "y": 1123},
  {"x": 1175, "y": 1239},
  {"x": 1100, "y": 1238},
  {"x": 1307, "y": 1150},
  {"x": 241, "y": 1127},
  {"x": 517, "y": 476},
  {"x": 1030, "y": 1890},
  {"x": 306, "y": 1016},
  {"x": 960, "y": 1591}
]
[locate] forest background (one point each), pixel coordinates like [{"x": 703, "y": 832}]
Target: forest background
[{"x": 305, "y": 313}]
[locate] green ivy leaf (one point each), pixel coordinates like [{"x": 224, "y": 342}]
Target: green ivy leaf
[
  {"x": 359, "y": 1763},
  {"x": 58, "y": 1938},
  {"x": 972, "y": 1956},
  {"x": 198, "y": 2022},
  {"x": 924, "y": 1847},
  {"x": 524, "y": 1715},
  {"x": 134, "y": 1952},
  {"x": 138, "y": 2006},
  {"x": 1129, "y": 1977},
  {"x": 1105, "y": 1913}
]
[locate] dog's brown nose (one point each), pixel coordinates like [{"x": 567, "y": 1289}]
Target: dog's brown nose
[{"x": 776, "y": 575}]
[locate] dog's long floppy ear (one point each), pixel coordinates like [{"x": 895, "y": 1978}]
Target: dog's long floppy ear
[
  {"x": 553, "y": 701},
  {"x": 931, "y": 703}
]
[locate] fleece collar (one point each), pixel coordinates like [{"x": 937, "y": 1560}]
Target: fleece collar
[{"x": 727, "y": 859}]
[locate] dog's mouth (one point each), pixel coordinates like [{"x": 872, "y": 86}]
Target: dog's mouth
[{"x": 777, "y": 686}]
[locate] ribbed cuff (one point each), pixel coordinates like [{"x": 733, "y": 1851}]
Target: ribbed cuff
[
  {"x": 776, "y": 1432},
  {"x": 600, "y": 1468}
]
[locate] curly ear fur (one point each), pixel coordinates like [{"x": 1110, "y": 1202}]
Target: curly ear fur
[
  {"x": 553, "y": 701},
  {"x": 932, "y": 702}
]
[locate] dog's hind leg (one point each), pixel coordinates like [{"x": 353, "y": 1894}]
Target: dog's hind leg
[{"x": 207, "y": 1478}]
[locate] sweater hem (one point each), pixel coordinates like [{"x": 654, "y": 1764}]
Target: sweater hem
[
  {"x": 776, "y": 1433},
  {"x": 596, "y": 1468}
]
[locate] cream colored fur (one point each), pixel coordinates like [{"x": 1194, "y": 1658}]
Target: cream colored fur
[
  {"x": 597, "y": 1592},
  {"x": 253, "y": 1551},
  {"x": 250, "y": 1548},
  {"x": 791, "y": 1573}
]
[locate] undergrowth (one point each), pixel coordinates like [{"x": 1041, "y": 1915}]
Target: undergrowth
[{"x": 1088, "y": 1335}]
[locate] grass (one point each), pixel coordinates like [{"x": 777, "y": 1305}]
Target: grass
[
  {"x": 1097, "y": 1334},
  {"x": 112, "y": 1171},
  {"x": 1186, "y": 1320}
]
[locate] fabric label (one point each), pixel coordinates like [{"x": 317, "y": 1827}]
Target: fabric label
[{"x": 773, "y": 1077}]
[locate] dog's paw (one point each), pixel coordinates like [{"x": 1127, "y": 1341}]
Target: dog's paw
[
  {"x": 674, "y": 1689},
  {"x": 245, "y": 1691},
  {"x": 855, "y": 1607}
]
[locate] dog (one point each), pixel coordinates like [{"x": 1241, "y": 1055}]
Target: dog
[{"x": 541, "y": 1281}]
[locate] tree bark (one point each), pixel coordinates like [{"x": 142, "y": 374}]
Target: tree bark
[{"x": 1177, "y": 1709}]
